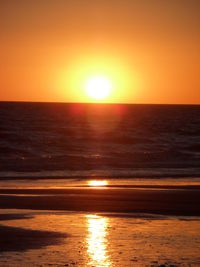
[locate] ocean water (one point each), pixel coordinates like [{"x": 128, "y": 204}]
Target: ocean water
[{"x": 99, "y": 140}]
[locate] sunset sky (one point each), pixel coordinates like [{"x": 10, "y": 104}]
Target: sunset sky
[{"x": 147, "y": 49}]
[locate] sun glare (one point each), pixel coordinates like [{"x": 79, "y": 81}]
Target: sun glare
[
  {"x": 98, "y": 88},
  {"x": 97, "y": 183},
  {"x": 97, "y": 240}
]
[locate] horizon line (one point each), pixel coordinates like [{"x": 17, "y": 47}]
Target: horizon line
[{"x": 98, "y": 103}]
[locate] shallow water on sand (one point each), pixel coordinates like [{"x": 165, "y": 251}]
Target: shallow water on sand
[
  {"x": 120, "y": 182},
  {"x": 101, "y": 239}
]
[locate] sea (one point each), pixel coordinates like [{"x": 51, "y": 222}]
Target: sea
[
  {"x": 146, "y": 212},
  {"x": 59, "y": 140}
]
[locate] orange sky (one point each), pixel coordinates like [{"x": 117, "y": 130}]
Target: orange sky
[{"x": 148, "y": 48}]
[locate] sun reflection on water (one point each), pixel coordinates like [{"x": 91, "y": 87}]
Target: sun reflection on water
[
  {"x": 97, "y": 241},
  {"x": 98, "y": 183}
]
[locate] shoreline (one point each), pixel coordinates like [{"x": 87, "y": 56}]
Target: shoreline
[
  {"x": 127, "y": 200},
  {"x": 64, "y": 189},
  {"x": 89, "y": 177}
]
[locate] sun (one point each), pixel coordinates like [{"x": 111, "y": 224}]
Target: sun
[{"x": 98, "y": 88}]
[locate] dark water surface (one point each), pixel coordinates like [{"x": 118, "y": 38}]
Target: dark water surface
[{"x": 70, "y": 140}]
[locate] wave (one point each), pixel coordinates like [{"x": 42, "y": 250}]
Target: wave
[{"x": 108, "y": 140}]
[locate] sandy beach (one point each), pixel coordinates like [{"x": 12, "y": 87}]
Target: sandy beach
[
  {"x": 50, "y": 238},
  {"x": 125, "y": 223}
]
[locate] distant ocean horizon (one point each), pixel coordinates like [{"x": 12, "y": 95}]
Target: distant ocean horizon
[{"x": 99, "y": 140}]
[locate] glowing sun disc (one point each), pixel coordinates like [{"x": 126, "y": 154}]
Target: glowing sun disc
[{"x": 98, "y": 88}]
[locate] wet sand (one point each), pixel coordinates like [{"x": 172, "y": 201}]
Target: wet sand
[
  {"x": 43, "y": 238},
  {"x": 159, "y": 200},
  {"x": 117, "y": 225},
  {"x": 19, "y": 239}
]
